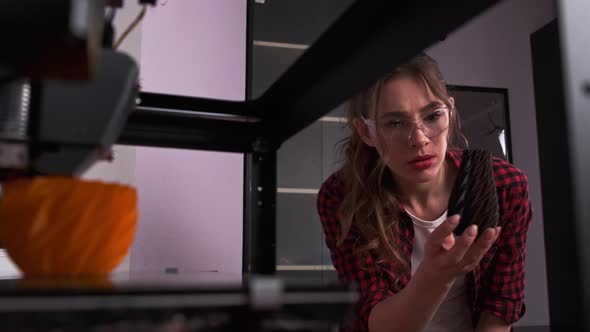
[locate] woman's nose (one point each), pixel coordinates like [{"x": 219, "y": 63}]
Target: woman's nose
[{"x": 417, "y": 138}]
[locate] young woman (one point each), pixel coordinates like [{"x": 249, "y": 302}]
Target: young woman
[{"x": 384, "y": 215}]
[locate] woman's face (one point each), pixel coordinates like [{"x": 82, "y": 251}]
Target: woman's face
[{"x": 409, "y": 130}]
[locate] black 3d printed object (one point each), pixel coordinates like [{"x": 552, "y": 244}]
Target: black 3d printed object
[{"x": 474, "y": 195}]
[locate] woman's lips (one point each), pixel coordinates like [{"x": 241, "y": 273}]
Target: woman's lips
[{"x": 421, "y": 163}]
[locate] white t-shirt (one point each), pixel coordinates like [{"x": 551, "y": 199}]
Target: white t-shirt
[{"x": 454, "y": 313}]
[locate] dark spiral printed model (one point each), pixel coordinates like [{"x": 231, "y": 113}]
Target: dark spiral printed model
[{"x": 474, "y": 195}]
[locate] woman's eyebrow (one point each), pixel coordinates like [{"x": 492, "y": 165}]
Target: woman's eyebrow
[
  {"x": 395, "y": 114},
  {"x": 398, "y": 113},
  {"x": 432, "y": 105}
]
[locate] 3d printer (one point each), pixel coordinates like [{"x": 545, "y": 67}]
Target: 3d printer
[{"x": 60, "y": 106}]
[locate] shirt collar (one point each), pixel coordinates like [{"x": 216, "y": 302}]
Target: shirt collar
[{"x": 455, "y": 155}]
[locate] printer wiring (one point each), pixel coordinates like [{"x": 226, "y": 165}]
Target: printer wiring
[{"x": 131, "y": 27}]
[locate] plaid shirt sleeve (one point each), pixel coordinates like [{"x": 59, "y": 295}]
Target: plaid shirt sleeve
[
  {"x": 502, "y": 280},
  {"x": 369, "y": 280}
]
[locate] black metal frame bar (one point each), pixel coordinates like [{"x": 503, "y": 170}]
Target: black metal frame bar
[
  {"x": 247, "y": 242},
  {"x": 260, "y": 212},
  {"x": 181, "y": 129},
  {"x": 194, "y": 104},
  {"x": 260, "y": 166}
]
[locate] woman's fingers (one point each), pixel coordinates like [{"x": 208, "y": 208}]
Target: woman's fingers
[
  {"x": 458, "y": 254},
  {"x": 440, "y": 236},
  {"x": 463, "y": 244},
  {"x": 448, "y": 242},
  {"x": 472, "y": 257}
]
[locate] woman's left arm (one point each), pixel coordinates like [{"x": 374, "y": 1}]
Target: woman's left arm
[{"x": 501, "y": 300}]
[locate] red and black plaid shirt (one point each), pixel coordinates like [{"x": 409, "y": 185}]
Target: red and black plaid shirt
[{"x": 496, "y": 286}]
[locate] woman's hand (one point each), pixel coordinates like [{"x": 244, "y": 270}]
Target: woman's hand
[{"x": 447, "y": 257}]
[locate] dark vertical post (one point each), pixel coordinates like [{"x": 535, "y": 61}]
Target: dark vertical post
[
  {"x": 260, "y": 212},
  {"x": 556, "y": 186},
  {"x": 561, "y": 74},
  {"x": 260, "y": 169},
  {"x": 574, "y": 16}
]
